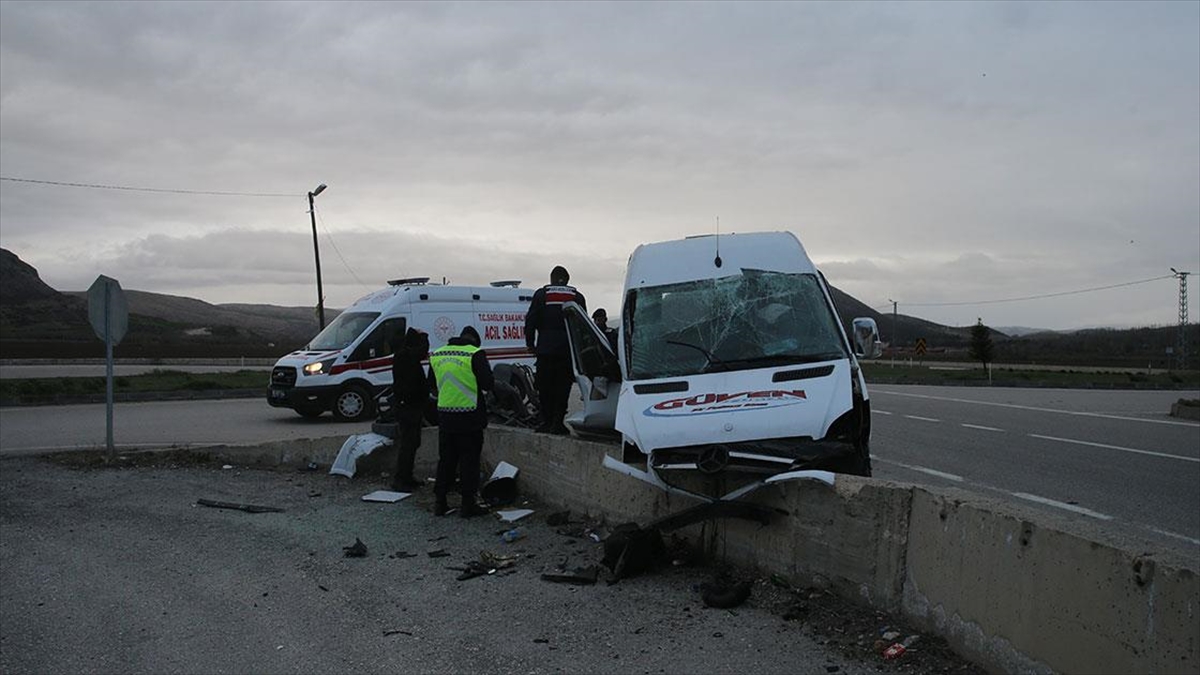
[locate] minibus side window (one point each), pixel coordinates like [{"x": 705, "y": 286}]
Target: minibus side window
[{"x": 379, "y": 342}]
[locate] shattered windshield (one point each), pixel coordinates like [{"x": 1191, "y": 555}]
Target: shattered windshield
[
  {"x": 753, "y": 319},
  {"x": 343, "y": 331}
]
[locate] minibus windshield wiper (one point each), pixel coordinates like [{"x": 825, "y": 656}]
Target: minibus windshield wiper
[{"x": 707, "y": 354}]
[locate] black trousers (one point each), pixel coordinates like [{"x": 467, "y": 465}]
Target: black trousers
[
  {"x": 409, "y": 422},
  {"x": 554, "y": 377},
  {"x": 458, "y": 453}
]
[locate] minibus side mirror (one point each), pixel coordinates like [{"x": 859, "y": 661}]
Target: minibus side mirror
[{"x": 866, "y": 338}]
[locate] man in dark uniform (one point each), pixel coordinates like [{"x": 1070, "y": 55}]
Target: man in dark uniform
[
  {"x": 546, "y": 337},
  {"x": 410, "y": 395},
  {"x": 460, "y": 373}
]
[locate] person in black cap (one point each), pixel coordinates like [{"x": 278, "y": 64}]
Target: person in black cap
[
  {"x": 546, "y": 337},
  {"x": 460, "y": 374},
  {"x": 600, "y": 317},
  {"x": 410, "y": 395}
]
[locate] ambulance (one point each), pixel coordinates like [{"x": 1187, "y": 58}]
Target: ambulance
[
  {"x": 349, "y": 363},
  {"x": 731, "y": 368}
]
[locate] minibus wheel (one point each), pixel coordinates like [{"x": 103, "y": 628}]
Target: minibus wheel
[{"x": 353, "y": 403}]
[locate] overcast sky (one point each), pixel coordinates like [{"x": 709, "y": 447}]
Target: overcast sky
[{"x": 928, "y": 153}]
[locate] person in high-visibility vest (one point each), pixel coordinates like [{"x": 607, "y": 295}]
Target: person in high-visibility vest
[{"x": 460, "y": 373}]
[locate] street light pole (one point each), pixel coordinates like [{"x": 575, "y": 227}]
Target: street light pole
[
  {"x": 895, "y": 340},
  {"x": 312, "y": 213}
]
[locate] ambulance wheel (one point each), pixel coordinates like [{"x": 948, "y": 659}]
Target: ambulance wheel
[
  {"x": 309, "y": 413},
  {"x": 353, "y": 404}
]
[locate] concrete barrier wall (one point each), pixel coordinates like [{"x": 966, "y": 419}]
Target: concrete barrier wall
[
  {"x": 1021, "y": 594},
  {"x": 1012, "y": 589}
]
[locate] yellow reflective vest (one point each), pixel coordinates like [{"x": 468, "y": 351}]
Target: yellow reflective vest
[{"x": 458, "y": 391}]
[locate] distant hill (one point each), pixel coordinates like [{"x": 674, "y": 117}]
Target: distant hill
[
  {"x": 28, "y": 306},
  {"x": 269, "y": 322},
  {"x": 1021, "y": 331},
  {"x": 907, "y": 328},
  {"x": 36, "y": 321}
]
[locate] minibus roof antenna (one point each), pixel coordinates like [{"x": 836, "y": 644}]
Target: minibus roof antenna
[{"x": 717, "y": 260}]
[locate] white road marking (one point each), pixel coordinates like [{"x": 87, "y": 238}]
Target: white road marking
[
  {"x": 1049, "y": 410},
  {"x": 980, "y": 426},
  {"x": 923, "y": 419},
  {"x": 1186, "y": 538},
  {"x": 912, "y": 467},
  {"x": 1116, "y": 447},
  {"x": 1062, "y": 505},
  {"x": 880, "y": 412}
]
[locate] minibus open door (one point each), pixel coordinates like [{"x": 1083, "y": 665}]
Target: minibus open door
[{"x": 596, "y": 372}]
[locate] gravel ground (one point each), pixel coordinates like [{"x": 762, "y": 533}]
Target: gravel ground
[{"x": 116, "y": 569}]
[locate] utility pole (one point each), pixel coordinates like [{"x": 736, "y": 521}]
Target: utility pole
[
  {"x": 1181, "y": 340},
  {"x": 312, "y": 213}
]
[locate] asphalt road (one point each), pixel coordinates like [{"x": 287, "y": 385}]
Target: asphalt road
[
  {"x": 1114, "y": 457},
  {"x": 118, "y": 571},
  {"x": 28, "y": 430},
  {"x": 41, "y": 371}
]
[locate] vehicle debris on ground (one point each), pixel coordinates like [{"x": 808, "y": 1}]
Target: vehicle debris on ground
[{"x": 248, "y": 508}]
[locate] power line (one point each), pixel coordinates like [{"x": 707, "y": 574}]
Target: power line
[
  {"x": 146, "y": 189},
  {"x": 338, "y": 251},
  {"x": 1038, "y": 297}
]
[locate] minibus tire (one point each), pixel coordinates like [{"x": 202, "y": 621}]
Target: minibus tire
[{"x": 345, "y": 396}]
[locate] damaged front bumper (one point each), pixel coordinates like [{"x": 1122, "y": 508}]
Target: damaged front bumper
[{"x": 768, "y": 456}]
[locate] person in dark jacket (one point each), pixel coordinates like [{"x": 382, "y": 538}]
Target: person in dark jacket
[
  {"x": 546, "y": 337},
  {"x": 460, "y": 374},
  {"x": 410, "y": 394},
  {"x": 600, "y": 317}
]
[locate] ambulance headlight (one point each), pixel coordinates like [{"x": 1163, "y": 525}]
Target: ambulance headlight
[{"x": 319, "y": 368}]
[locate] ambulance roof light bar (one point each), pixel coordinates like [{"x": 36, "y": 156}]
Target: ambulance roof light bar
[{"x": 410, "y": 281}]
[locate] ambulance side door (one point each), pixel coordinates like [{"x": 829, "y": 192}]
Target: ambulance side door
[{"x": 596, "y": 371}]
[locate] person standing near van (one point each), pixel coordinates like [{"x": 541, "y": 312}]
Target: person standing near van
[
  {"x": 410, "y": 395},
  {"x": 600, "y": 317},
  {"x": 460, "y": 373},
  {"x": 546, "y": 337}
]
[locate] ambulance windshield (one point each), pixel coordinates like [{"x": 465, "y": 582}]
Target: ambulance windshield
[
  {"x": 343, "y": 331},
  {"x": 753, "y": 319}
]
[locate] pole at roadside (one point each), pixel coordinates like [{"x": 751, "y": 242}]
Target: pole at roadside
[{"x": 108, "y": 374}]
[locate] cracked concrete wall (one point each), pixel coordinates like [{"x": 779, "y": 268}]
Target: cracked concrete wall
[
  {"x": 1019, "y": 595},
  {"x": 852, "y": 535}
]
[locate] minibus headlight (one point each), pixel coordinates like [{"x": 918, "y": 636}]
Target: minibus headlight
[{"x": 319, "y": 368}]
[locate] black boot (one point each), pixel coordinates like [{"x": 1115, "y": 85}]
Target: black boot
[
  {"x": 471, "y": 508},
  {"x": 402, "y": 479},
  {"x": 440, "y": 507}
]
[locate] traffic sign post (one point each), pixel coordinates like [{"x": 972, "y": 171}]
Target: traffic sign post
[{"x": 109, "y": 315}]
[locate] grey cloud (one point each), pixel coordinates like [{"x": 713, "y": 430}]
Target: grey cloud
[{"x": 1043, "y": 136}]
